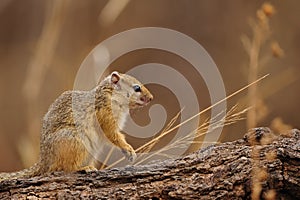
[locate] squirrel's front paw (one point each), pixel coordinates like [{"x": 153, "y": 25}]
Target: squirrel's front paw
[{"x": 130, "y": 155}]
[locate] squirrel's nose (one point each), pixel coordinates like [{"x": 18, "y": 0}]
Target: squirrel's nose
[
  {"x": 146, "y": 99},
  {"x": 151, "y": 97}
]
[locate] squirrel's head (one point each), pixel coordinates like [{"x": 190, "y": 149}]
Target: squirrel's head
[{"x": 128, "y": 90}]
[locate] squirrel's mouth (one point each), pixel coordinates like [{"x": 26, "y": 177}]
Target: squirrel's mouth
[
  {"x": 138, "y": 104},
  {"x": 143, "y": 101}
]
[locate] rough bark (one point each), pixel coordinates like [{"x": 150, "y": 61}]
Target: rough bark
[{"x": 221, "y": 171}]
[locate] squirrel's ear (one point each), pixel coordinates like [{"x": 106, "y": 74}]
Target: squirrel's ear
[{"x": 115, "y": 77}]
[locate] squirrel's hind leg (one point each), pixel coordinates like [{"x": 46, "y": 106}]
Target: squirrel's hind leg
[{"x": 69, "y": 154}]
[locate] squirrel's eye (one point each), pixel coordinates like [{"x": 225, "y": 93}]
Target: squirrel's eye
[{"x": 137, "y": 88}]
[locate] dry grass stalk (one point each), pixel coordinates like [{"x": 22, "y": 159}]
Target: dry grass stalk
[
  {"x": 191, "y": 118},
  {"x": 256, "y": 174},
  {"x": 271, "y": 156},
  {"x": 107, "y": 157},
  {"x": 279, "y": 126},
  {"x": 270, "y": 195},
  {"x": 148, "y": 146},
  {"x": 271, "y": 86},
  {"x": 260, "y": 174},
  {"x": 261, "y": 33},
  {"x": 232, "y": 116},
  {"x": 154, "y": 141},
  {"x": 277, "y": 51},
  {"x": 111, "y": 11},
  {"x": 257, "y": 138},
  {"x": 256, "y": 191},
  {"x": 37, "y": 68}
]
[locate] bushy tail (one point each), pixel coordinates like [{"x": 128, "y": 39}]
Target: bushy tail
[{"x": 25, "y": 173}]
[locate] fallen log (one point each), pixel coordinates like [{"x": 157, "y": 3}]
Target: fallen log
[{"x": 243, "y": 169}]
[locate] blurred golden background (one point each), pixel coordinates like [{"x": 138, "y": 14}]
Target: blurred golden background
[{"x": 43, "y": 43}]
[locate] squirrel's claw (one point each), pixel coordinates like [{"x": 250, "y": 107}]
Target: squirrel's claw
[{"x": 130, "y": 155}]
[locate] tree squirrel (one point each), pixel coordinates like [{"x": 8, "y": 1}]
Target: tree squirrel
[{"x": 71, "y": 130}]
